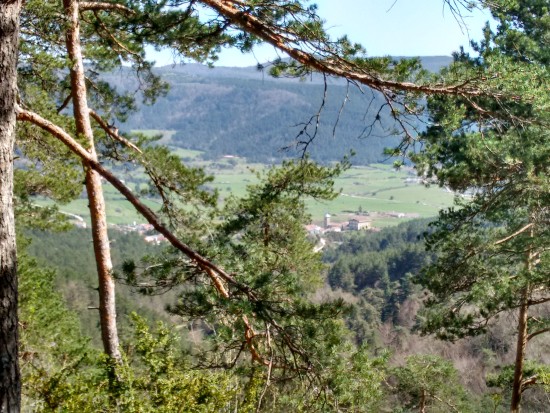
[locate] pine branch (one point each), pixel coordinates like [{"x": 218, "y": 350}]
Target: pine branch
[
  {"x": 216, "y": 274},
  {"x": 112, "y": 132},
  {"x": 334, "y": 65},
  {"x": 508, "y": 238},
  {"x": 122, "y": 47},
  {"x": 536, "y": 333},
  {"x": 104, "y": 6}
]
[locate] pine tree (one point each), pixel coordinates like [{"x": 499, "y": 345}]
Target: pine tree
[
  {"x": 10, "y": 385},
  {"x": 494, "y": 245}
]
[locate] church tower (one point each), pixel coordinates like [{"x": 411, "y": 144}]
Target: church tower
[{"x": 327, "y": 220}]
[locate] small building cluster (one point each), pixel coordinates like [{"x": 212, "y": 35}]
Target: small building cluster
[
  {"x": 354, "y": 223},
  {"x": 146, "y": 230}
]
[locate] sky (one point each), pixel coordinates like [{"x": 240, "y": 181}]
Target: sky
[{"x": 383, "y": 27}]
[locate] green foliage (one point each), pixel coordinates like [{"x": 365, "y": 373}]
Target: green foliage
[
  {"x": 260, "y": 239},
  {"x": 538, "y": 374},
  {"x": 352, "y": 381},
  {"x": 501, "y": 164},
  {"x": 157, "y": 378},
  {"x": 357, "y": 381},
  {"x": 76, "y": 279},
  {"x": 524, "y": 30},
  {"x": 56, "y": 359},
  {"x": 431, "y": 384},
  {"x": 62, "y": 372},
  {"x": 262, "y": 242},
  {"x": 187, "y": 202},
  {"x": 492, "y": 249}
]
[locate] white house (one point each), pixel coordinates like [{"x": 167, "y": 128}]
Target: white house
[{"x": 359, "y": 223}]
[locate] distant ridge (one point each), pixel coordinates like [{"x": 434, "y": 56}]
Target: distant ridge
[
  {"x": 245, "y": 112},
  {"x": 431, "y": 63}
]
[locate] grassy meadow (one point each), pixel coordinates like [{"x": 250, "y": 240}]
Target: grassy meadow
[{"x": 374, "y": 189}]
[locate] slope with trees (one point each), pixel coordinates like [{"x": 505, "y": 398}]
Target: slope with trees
[
  {"x": 203, "y": 102},
  {"x": 116, "y": 32}
]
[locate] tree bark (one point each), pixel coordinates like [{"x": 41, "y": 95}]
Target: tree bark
[
  {"x": 523, "y": 333},
  {"x": 422, "y": 407},
  {"x": 81, "y": 111},
  {"x": 520, "y": 353},
  {"x": 10, "y": 381}
]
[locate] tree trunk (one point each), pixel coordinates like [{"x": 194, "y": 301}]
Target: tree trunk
[
  {"x": 10, "y": 381},
  {"x": 107, "y": 309},
  {"x": 523, "y": 333},
  {"x": 520, "y": 353},
  {"x": 422, "y": 406}
]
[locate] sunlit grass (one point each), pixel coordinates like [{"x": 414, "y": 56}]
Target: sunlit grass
[{"x": 373, "y": 189}]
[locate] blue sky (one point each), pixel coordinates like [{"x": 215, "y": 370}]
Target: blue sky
[{"x": 383, "y": 27}]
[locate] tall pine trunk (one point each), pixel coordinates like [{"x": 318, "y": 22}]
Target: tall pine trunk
[
  {"x": 520, "y": 353},
  {"x": 523, "y": 333},
  {"x": 107, "y": 309},
  {"x": 10, "y": 381}
]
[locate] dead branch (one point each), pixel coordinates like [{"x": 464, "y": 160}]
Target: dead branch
[
  {"x": 65, "y": 103},
  {"x": 530, "y": 381}
]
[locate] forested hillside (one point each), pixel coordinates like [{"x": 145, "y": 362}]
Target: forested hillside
[
  {"x": 376, "y": 274},
  {"x": 379, "y": 276},
  {"x": 246, "y": 112},
  {"x": 69, "y": 254}
]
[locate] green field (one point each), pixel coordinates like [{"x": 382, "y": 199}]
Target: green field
[
  {"x": 375, "y": 188},
  {"x": 119, "y": 211}
]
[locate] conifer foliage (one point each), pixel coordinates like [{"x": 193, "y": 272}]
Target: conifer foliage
[{"x": 494, "y": 244}]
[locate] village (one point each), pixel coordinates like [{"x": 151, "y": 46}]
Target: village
[{"x": 359, "y": 221}]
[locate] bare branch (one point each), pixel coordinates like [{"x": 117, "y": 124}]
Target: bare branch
[
  {"x": 65, "y": 103},
  {"x": 112, "y": 132},
  {"x": 525, "y": 228},
  {"x": 346, "y": 98},
  {"x": 536, "y": 333},
  {"x": 530, "y": 381},
  {"x": 269, "y": 368},
  {"x": 305, "y": 129},
  {"x": 445, "y": 402}
]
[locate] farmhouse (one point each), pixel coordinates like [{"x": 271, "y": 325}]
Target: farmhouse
[
  {"x": 313, "y": 229},
  {"x": 359, "y": 223}
]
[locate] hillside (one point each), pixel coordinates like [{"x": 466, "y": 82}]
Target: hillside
[{"x": 245, "y": 112}]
